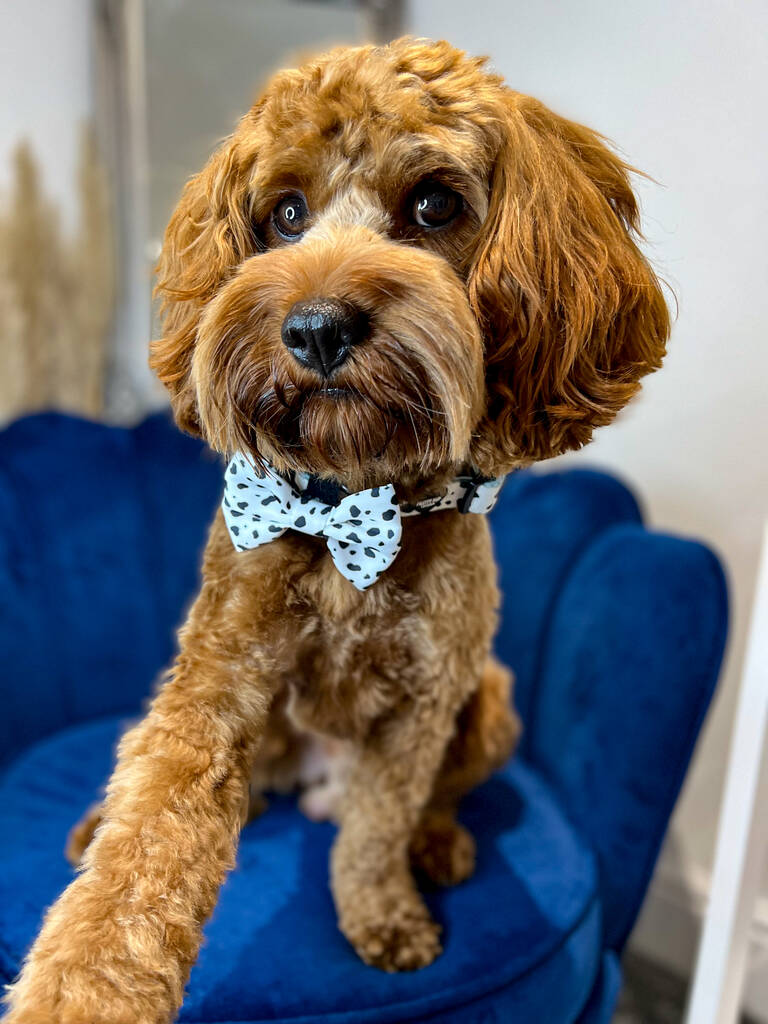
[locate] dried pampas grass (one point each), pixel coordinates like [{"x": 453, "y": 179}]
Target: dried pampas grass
[{"x": 56, "y": 292}]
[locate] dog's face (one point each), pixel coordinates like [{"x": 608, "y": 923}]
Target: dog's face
[{"x": 396, "y": 265}]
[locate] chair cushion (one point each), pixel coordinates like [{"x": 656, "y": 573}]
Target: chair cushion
[{"x": 522, "y": 939}]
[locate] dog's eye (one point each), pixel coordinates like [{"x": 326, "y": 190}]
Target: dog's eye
[
  {"x": 290, "y": 217},
  {"x": 435, "y": 205}
]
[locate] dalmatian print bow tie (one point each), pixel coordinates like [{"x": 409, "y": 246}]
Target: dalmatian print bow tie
[{"x": 362, "y": 531}]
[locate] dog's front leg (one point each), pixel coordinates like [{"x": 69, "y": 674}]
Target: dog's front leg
[
  {"x": 117, "y": 947},
  {"x": 380, "y": 909}
]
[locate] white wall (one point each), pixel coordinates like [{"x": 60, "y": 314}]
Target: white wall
[
  {"x": 45, "y": 85},
  {"x": 681, "y": 87}
]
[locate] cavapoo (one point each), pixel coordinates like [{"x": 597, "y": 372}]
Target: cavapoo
[{"x": 396, "y": 282}]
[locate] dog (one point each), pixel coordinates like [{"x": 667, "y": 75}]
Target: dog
[{"x": 400, "y": 280}]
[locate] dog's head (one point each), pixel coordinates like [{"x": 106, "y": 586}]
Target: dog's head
[{"x": 397, "y": 264}]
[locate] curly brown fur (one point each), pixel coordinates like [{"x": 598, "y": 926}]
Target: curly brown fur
[{"x": 502, "y": 338}]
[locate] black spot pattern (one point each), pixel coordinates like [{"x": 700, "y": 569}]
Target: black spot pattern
[{"x": 279, "y": 501}]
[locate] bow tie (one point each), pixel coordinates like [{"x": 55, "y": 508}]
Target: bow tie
[{"x": 362, "y": 531}]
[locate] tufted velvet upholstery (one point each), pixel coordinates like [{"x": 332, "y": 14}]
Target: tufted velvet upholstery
[{"x": 615, "y": 634}]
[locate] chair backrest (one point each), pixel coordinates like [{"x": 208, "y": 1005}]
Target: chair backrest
[
  {"x": 541, "y": 525},
  {"x": 100, "y": 534},
  {"x": 617, "y": 636}
]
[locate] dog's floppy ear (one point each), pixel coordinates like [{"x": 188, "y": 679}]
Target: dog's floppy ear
[
  {"x": 207, "y": 237},
  {"x": 573, "y": 313}
]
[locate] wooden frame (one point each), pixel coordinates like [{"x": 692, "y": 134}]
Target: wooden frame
[{"x": 742, "y": 842}]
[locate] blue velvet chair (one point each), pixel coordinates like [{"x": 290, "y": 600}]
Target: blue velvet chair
[{"x": 615, "y": 633}]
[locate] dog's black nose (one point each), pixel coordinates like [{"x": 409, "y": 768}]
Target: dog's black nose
[{"x": 320, "y": 333}]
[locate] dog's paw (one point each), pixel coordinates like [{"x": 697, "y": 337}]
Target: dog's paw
[
  {"x": 405, "y": 940},
  {"x": 81, "y": 834},
  {"x": 94, "y": 993},
  {"x": 78, "y": 996},
  {"x": 444, "y": 851}
]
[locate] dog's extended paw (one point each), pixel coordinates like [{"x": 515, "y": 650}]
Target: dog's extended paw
[
  {"x": 404, "y": 939},
  {"x": 78, "y": 996},
  {"x": 91, "y": 964},
  {"x": 444, "y": 851}
]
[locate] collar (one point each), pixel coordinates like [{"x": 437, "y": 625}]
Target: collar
[
  {"x": 362, "y": 530},
  {"x": 460, "y": 493}
]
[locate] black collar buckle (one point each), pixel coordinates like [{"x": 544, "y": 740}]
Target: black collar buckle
[{"x": 471, "y": 485}]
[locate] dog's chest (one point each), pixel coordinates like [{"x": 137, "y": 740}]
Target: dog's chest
[{"x": 350, "y": 670}]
